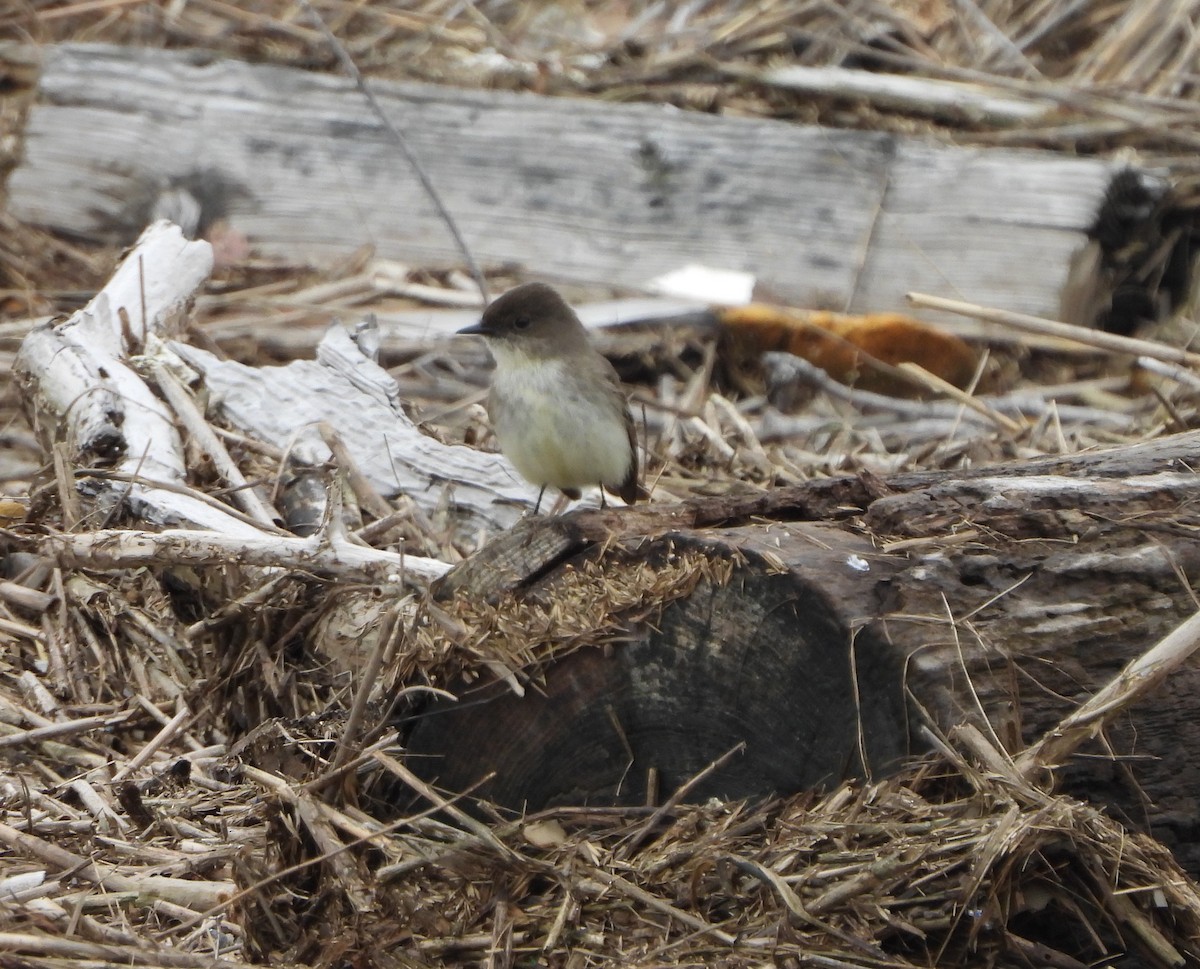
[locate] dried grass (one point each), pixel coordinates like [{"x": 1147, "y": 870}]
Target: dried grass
[
  {"x": 942, "y": 864},
  {"x": 172, "y": 797},
  {"x": 168, "y": 791},
  {"x": 1119, "y": 73}
]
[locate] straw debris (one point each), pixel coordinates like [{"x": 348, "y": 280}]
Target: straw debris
[{"x": 180, "y": 785}]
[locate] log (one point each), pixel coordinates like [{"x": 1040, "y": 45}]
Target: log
[
  {"x": 851, "y": 615},
  {"x": 85, "y": 394},
  {"x": 567, "y": 188},
  {"x": 345, "y": 388},
  {"x": 89, "y": 388}
]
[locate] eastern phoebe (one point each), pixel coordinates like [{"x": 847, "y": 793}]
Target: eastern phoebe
[{"x": 556, "y": 403}]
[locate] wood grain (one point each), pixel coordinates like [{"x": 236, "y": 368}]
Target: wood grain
[
  {"x": 566, "y": 188},
  {"x": 1002, "y": 597}
]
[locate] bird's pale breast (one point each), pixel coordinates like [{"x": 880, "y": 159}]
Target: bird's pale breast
[{"x": 558, "y": 426}]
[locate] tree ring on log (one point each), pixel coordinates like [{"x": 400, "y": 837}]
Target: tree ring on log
[{"x": 765, "y": 658}]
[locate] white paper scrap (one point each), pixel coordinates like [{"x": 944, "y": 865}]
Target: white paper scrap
[{"x": 724, "y": 287}]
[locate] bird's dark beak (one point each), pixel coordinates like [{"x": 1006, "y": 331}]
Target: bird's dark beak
[{"x": 475, "y": 329}]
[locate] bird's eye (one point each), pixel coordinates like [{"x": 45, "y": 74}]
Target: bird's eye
[{"x": 521, "y": 323}]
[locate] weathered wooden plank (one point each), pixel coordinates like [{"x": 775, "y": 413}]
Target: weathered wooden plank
[
  {"x": 568, "y": 188},
  {"x": 998, "y": 223}
]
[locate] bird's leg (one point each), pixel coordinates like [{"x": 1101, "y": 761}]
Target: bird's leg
[
  {"x": 603, "y": 503},
  {"x": 538, "y": 503}
]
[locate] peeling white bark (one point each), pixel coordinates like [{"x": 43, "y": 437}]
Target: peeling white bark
[{"x": 85, "y": 393}]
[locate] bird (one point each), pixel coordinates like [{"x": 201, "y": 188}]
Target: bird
[{"x": 556, "y": 403}]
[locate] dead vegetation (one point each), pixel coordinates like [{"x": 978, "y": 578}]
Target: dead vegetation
[
  {"x": 139, "y": 830},
  {"x": 1111, "y": 74},
  {"x": 180, "y": 784}
]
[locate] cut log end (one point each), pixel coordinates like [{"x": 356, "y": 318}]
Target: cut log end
[{"x": 764, "y": 660}]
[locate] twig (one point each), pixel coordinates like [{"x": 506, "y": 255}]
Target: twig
[
  {"x": 23, "y": 597},
  {"x": 684, "y": 789},
  {"x": 999, "y": 41},
  {"x": 918, "y": 418},
  {"x": 600, "y": 879},
  {"x": 838, "y": 893},
  {"x": 380, "y": 527},
  {"x": 477, "y": 828},
  {"x": 126, "y": 548},
  {"x": 96, "y": 953},
  {"x": 784, "y": 367},
  {"x": 361, "y": 759},
  {"x": 1142, "y": 927},
  {"x": 947, "y": 100},
  {"x": 936, "y": 383},
  {"x": 68, "y": 497},
  {"x": 1138, "y": 677},
  {"x": 99, "y": 808},
  {"x": 360, "y": 82},
  {"x": 189, "y": 415},
  {"x": 57, "y": 730},
  {"x": 14, "y": 628},
  {"x": 189, "y": 892},
  {"x": 1179, "y": 374},
  {"x": 177, "y": 488},
  {"x": 392, "y": 629},
  {"x": 367, "y": 496},
  {"x": 168, "y": 732},
  {"x": 1099, "y": 339}
]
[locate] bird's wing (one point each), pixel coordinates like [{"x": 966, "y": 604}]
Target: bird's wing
[{"x": 630, "y": 491}]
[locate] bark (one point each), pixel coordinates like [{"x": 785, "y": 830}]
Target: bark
[{"x": 855, "y": 609}]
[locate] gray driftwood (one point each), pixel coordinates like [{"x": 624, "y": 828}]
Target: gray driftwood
[
  {"x": 857, "y": 609},
  {"x": 84, "y": 394},
  {"x": 284, "y": 406},
  {"x": 89, "y": 385},
  {"x": 569, "y": 188}
]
